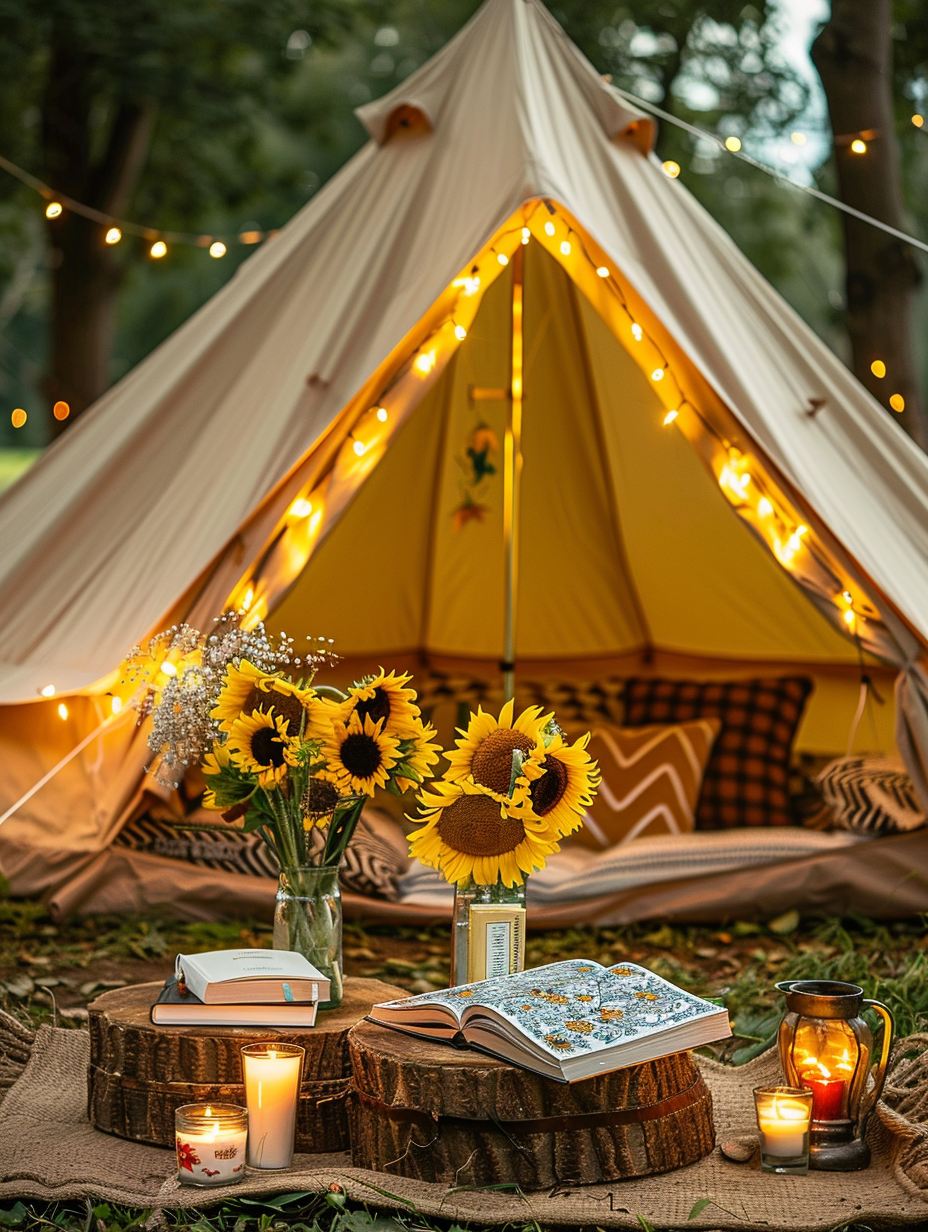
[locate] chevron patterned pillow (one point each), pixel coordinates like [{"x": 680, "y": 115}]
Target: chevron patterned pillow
[
  {"x": 871, "y": 795},
  {"x": 651, "y": 779}
]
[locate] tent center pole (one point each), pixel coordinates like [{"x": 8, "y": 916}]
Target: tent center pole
[{"x": 512, "y": 480}]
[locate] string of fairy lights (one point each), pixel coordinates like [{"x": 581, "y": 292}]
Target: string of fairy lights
[
  {"x": 114, "y": 229},
  {"x": 740, "y": 479}
]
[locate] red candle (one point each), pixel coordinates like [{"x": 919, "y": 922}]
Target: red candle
[{"x": 827, "y": 1094}]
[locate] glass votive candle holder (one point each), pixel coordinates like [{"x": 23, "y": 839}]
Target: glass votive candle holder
[
  {"x": 783, "y": 1116},
  {"x": 210, "y": 1140},
  {"x": 272, "y": 1074}
]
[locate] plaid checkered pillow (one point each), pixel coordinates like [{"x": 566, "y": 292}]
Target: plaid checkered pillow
[{"x": 747, "y": 779}]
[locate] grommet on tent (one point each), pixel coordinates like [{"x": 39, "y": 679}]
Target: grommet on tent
[{"x": 406, "y": 119}]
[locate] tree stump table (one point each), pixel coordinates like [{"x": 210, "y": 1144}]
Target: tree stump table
[
  {"x": 140, "y": 1073},
  {"x": 435, "y": 1113}
]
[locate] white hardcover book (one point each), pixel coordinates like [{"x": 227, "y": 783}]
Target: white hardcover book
[{"x": 251, "y": 977}]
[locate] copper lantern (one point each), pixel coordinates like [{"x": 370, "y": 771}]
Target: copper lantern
[{"x": 826, "y": 1046}]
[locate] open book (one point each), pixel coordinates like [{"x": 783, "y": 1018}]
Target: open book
[{"x": 569, "y": 1020}]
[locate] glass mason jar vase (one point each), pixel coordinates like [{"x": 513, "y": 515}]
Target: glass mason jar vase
[
  {"x": 487, "y": 931},
  {"x": 308, "y": 919}
]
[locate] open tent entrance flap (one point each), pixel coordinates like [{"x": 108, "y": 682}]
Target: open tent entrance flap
[{"x": 630, "y": 557}]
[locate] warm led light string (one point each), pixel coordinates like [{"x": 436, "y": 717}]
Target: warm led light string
[
  {"x": 761, "y": 505},
  {"x": 114, "y": 228}
]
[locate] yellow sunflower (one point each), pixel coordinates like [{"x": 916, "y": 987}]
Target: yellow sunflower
[
  {"x": 470, "y": 831},
  {"x": 421, "y": 757},
  {"x": 214, "y": 762},
  {"x": 381, "y": 698},
  {"x": 485, "y": 749},
  {"x": 248, "y": 689},
  {"x": 258, "y": 744},
  {"x": 566, "y": 786},
  {"x": 359, "y": 755}
]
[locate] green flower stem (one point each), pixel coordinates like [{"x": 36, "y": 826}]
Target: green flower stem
[{"x": 329, "y": 690}]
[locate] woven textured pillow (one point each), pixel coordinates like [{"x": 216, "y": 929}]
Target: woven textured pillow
[
  {"x": 747, "y": 780},
  {"x": 651, "y": 778},
  {"x": 871, "y": 795}
]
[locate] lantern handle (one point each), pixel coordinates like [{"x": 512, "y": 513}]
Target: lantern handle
[
  {"x": 889, "y": 1029},
  {"x": 785, "y": 986}
]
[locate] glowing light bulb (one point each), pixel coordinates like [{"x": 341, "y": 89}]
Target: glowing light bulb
[
  {"x": 359, "y": 448},
  {"x": 460, "y": 333},
  {"x": 113, "y": 236},
  {"x": 858, "y": 146},
  {"x": 878, "y": 368},
  {"x": 549, "y": 227},
  {"x": 744, "y": 481},
  {"x": 603, "y": 271},
  {"x": 897, "y": 402},
  {"x": 849, "y": 618},
  {"x": 918, "y": 120},
  {"x": 733, "y": 144},
  {"x": 217, "y": 249},
  {"x": 847, "y": 597},
  {"x": 526, "y": 235},
  {"x": 670, "y": 417},
  {"x": 424, "y": 363},
  {"x": 301, "y": 507},
  {"x": 565, "y": 248},
  {"x": 671, "y": 169},
  {"x": 116, "y": 704},
  {"x": 48, "y": 691},
  {"x": 802, "y": 530},
  {"x": 637, "y": 331},
  {"x": 471, "y": 285},
  {"x": 249, "y": 595},
  {"x": 158, "y": 249},
  {"x": 62, "y": 710},
  {"x": 797, "y": 138},
  {"x": 61, "y": 410},
  {"x": 382, "y": 414},
  {"x": 53, "y": 209},
  {"x": 657, "y": 374},
  {"x": 502, "y": 258},
  {"x": 18, "y": 418},
  {"x": 764, "y": 507},
  {"x": 168, "y": 668}
]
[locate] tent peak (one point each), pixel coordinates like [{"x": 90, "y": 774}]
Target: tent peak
[{"x": 523, "y": 35}]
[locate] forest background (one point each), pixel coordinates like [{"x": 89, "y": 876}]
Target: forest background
[{"x": 223, "y": 117}]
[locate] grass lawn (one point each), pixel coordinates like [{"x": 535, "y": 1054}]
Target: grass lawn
[
  {"x": 15, "y": 462},
  {"x": 43, "y": 964}
]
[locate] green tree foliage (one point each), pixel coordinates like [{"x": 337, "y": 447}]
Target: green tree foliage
[{"x": 251, "y": 121}]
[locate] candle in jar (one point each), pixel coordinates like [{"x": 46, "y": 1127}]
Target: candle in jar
[
  {"x": 783, "y": 1121},
  {"x": 272, "y": 1087},
  {"x": 210, "y": 1141},
  {"x": 827, "y": 1093}
]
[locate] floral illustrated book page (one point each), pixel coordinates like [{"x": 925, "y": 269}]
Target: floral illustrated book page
[{"x": 567, "y": 1021}]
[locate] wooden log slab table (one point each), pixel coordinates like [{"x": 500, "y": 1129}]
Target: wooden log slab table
[
  {"x": 140, "y": 1073},
  {"x": 436, "y": 1113}
]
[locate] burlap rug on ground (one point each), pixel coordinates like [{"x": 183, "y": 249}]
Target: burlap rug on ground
[{"x": 49, "y": 1150}]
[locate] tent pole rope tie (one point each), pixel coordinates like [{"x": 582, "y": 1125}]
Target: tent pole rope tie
[
  {"x": 109, "y": 721},
  {"x": 772, "y": 171}
]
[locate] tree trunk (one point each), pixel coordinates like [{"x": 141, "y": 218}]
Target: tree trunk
[
  {"x": 86, "y": 272},
  {"x": 853, "y": 56}
]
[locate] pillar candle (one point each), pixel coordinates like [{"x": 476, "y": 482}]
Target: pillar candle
[
  {"x": 827, "y": 1095},
  {"x": 210, "y": 1140},
  {"x": 272, "y": 1087}
]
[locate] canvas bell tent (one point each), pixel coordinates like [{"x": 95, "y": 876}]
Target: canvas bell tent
[{"x": 501, "y": 392}]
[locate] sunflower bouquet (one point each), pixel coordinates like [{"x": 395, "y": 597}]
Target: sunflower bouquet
[{"x": 513, "y": 789}]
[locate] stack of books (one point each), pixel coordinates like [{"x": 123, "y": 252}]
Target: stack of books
[{"x": 241, "y": 988}]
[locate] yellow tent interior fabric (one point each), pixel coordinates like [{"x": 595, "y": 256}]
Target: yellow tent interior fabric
[{"x": 630, "y": 556}]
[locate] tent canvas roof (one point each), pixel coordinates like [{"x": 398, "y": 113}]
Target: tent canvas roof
[{"x": 124, "y": 516}]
